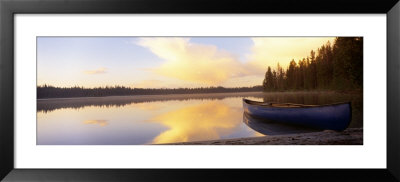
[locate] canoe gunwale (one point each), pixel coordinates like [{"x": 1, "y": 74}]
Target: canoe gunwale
[{"x": 284, "y": 105}]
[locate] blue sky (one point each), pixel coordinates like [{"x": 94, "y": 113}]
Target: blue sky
[{"x": 164, "y": 61}]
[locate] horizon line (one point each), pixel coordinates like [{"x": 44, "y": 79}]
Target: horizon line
[{"x": 116, "y": 86}]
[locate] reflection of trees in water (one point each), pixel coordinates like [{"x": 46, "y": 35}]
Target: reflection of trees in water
[{"x": 51, "y": 105}]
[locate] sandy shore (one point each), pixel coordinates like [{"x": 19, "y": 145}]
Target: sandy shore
[{"x": 350, "y": 136}]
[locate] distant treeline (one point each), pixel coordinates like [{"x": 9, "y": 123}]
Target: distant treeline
[
  {"x": 334, "y": 67},
  {"x": 46, "y": 91}
]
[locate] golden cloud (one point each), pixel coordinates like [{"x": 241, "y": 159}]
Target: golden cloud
[
  {"x": 268, "y": 51},
  {"x": 204, "y": 64},
  {"x": 98, "y": 71}
]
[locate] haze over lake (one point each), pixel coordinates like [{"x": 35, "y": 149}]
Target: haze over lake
[{"x": 127, "y": 120}]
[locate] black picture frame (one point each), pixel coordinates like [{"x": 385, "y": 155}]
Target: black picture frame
[{"x": 8, "y": 8}]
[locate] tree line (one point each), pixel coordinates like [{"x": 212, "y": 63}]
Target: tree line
[
  {"x": 335, "y": 67},
  {"x": 47, "y": 91}
]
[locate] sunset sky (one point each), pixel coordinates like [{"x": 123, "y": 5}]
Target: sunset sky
[{"x": 166, "y": 62}]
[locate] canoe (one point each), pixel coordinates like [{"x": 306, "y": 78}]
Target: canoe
[
  {"x": 328, "y": 117},
  {"x": 268, "y": 127}
]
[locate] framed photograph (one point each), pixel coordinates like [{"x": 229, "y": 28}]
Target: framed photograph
[{"x": 158, "y": 90}]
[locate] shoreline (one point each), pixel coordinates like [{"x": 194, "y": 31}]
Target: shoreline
[
  {"x": 167, "y": 96},
  {"x": 350, "y": 136},
  {"x": 78, "y": 102},
  {"x": 226, "y": 94}
]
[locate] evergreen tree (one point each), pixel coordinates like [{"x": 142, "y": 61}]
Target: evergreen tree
[
  {"x": 348, "y": 62},
  {"x": 291, "y": 75},
  {"x": 268, "y": 82}
]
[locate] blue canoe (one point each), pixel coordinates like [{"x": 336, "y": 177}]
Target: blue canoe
[{"x": 327, "y": 117}]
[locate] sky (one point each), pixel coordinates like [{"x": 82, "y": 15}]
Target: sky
[{"x": 166, "y": 62}]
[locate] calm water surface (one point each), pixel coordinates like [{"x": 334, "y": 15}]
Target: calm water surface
[{"x": 162, "y": 119}]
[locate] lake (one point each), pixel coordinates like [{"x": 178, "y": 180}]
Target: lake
[{"x": 160, "y": 119}]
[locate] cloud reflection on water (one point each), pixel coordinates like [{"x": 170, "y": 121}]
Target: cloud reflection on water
[
  {"x": 203, "y": 121},
  {"x": 99, "y": 122}
]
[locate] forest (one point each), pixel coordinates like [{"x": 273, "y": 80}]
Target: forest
[
  {"x": 46, "y": 91},
  {"x": 332, "y": 67}
]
